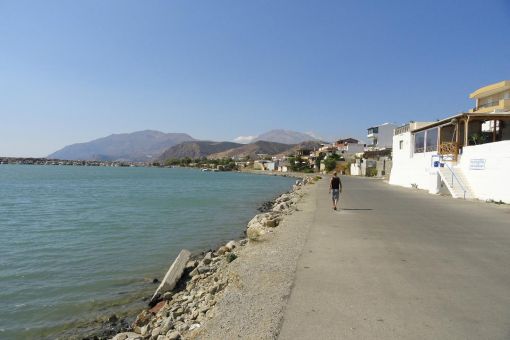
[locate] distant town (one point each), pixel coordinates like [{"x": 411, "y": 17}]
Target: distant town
[{"x": 465, "y": 155}]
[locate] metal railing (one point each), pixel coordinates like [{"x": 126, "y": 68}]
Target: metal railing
[{"x": 454, "y": 177}]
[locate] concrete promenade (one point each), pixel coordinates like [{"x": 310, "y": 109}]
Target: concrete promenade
[{"x": 397, "y": 263}]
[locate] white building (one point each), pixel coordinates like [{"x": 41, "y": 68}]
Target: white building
[
  {"x": 456, "y": 155},
  {"x": 467, "y": 155},
  {"x": 381, "y": 136},
  {"x": 349, "y": 146}
]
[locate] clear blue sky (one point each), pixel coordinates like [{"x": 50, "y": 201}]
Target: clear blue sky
[{"x": 72, "y": 71}]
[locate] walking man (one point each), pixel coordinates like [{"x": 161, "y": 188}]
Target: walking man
[{"x": 335, "y": 186}]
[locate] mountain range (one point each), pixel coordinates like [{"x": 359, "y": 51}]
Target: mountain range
[
  {"x": 152, "y": 145},
  {"x": 278, "y": 136},
  {"x": 136, "y": 146}
]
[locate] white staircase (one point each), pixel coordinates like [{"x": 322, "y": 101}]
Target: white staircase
[{"x": 456, "y": 182}]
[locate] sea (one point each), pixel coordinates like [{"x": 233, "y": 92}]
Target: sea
[{"x": 78, "y": 244}]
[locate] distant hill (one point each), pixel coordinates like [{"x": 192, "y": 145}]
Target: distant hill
[
  {"x": 252, "y": 150},
  {"x": 136, "y": 146},
  {"x": 278, "y": 136},
  {"x": 197, "y": 149}
]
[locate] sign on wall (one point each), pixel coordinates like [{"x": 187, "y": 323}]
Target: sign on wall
[{"x": 477, "y": 164}]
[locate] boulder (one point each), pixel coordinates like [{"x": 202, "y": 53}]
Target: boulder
[
  {"x": 222, "y": 250},
  {"x": 231, "y": 245},
  {"x": 255, "y": 233}
]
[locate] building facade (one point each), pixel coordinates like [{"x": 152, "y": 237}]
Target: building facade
[
  {"x": 466, "y": 155},
  {"x": 380, "y": 136}
]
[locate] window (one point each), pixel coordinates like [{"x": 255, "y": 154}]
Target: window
[
  {"x": 431, "y": 140},
  {"x": 419, "y": 142},
  {"x": 401, "y": 144}
]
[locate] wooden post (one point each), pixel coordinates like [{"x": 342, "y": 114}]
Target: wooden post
[
  {"x": 466, "y": 131},
  {"x": 494, "y": 131},
  {"x": 438, "y": 138}
]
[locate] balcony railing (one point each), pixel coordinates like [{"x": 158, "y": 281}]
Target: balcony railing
[
  {"x": 488, "y": 104},
  {"x": 402, "y": 129},
  {"x": 450, "y": 149}
]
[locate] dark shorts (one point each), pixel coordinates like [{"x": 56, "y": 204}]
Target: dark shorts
[{"x": 335, "y": 194}]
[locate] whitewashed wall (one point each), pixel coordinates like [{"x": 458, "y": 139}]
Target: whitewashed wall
[
  {"x": 409, "y": 169},
  {"x": 492, "y": 180}
]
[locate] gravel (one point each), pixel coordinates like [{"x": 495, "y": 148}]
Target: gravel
[{"x": 260, "y": 280}]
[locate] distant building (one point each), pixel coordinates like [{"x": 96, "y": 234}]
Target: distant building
[
  {"x": 492, "y": 98},
  {"x": 381, "y": 136},
  {"x": 349, "y": 146},
  {"x": 466, "y": 155}
]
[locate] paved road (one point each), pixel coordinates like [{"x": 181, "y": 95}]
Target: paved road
[{"x": 402, "y": 264}]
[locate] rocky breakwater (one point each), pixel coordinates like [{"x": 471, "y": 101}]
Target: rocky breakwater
[{"x": 188, "y": 294}]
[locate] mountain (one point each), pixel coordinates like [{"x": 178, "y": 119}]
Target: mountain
[
  {"x": 197, "y": 149},
  {"x": 252, "y": 150},
  {"x": 136, "y": 146},
  {"x": 278, "y": 136}
]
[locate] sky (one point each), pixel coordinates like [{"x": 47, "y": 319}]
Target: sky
[{"x": 73, "y": 71}]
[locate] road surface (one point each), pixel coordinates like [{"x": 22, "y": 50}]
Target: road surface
[{"x": 397, "y": 263}]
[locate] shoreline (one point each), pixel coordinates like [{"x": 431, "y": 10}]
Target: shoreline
[
  {"x": 182, "y": 312},
  {"x": 120, "y": 319}
]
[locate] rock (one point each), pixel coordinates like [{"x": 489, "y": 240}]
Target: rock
[
  {"x": 281, "y": 206},
  {"x": 207, "y": 259},
  {"x": 231, "y": 257},
  {"x": 178, "y": 312},
  {"x": 231, "y": 245},
  {"x": 155, "y": 332},
  {"x": 144, "y": 330},
  {"x": 157, "y": 307},
  {"x": 162, "y": 337},
  {"x": 194, "y": 326},
  {"x": 127, "y": 336},
  {"x": 113, "y": 318},
  {"x": 203, "y": 269},
  {"x": 194, "y": 272},
  {"x": 166, "y": 325},
  {"x": 222, "y": 250},
  {"x": 243, "y": 242},
  {"x": 142, "y": 319},
  {"x": 255, "y": 233},
  {"x": 190, "y": 265},
  {"x": 167, "y": 296},
  {"x": 173, "y": 335},
  {"x": 172, "y": 276}
]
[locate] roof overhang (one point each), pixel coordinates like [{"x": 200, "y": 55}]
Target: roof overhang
[
  {"x": 456, "y": 118},
  {"x": 490, "y": 89}
]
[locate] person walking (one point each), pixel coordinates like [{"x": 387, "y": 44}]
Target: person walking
[{"x": 335, "y": 186}]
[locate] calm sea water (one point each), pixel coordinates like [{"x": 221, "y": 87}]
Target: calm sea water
[{"x": 79, "y": 242}]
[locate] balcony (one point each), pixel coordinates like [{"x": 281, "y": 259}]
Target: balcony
[{"x": 502, "y": 105}]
